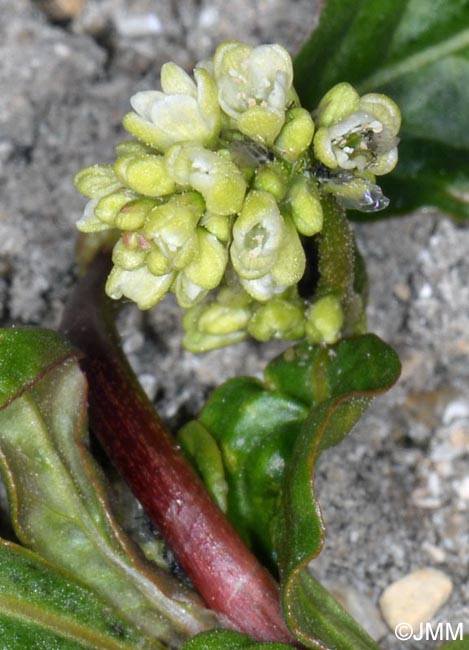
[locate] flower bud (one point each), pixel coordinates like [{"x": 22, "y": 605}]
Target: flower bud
[
  {"x": 132, "y": 216},
  {"x": 291, "y": 261},
  {"x": 109, "y": 206},
  {"x": 279, "y": 319},
  {"x": 197, "y": 339},
  {"x": 97, "y": 181},
  {"x": 219, "y": 319},
  {"x": 306, "y": 206},
  {"x": 208, "y": 267},
  {"x": 325, "y": 320},
  {"x": 273, "y": 179},
  {"x": 145, "y": 174},
  {"x": 217, "y": 178},
  {"x": 128, "y": 257},
  {"x": 296, "y": 134}
]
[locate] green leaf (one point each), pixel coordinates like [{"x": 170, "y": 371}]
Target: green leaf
[
  {"x": 228, "y": 640},
  {"x": 359, "y": 369},
  {"x": 57, "y": 494},
  {"x": 42, "y": 608},
  {"x": 462, "y": 644},
  {"x": 270, "y": 436},
  {"x": 420, "y": 58}
]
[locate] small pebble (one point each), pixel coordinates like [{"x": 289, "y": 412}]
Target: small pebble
[
  {"x": 62, "y": 9},
  {"x": 415, "y": 598}
]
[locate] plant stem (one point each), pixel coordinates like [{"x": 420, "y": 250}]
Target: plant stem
[{"x": 226, "y": 574}]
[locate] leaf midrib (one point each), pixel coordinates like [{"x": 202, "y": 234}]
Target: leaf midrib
[{"x": 414, "y": 62}]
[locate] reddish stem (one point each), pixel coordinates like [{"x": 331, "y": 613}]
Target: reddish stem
[{"x": 223, "y": 570}]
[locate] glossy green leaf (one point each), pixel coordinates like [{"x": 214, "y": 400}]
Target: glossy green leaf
[
  {"x": 42, "y": 608},
  {"x": 420, "y": 58},
  {"x": 359, "y": 369},
  {"x": 57, "y": 494},
  {"x": 270, "y": 436}
]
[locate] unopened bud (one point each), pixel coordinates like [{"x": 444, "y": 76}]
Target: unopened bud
[
  {"x": 306, "y": 206},
  {"x": 145, "y": 174},
  {"x": 296, "y": 134},
  {"x": 325, "y": 320},
  {"x": 278, "y": 318}
]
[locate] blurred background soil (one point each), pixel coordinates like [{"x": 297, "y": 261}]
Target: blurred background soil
[{"x": 395, "y": 497}]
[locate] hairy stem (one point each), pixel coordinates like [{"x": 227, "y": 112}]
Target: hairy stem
[{"x": 226, "y": 574}]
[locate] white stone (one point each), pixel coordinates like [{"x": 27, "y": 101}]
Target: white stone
[
  {"x": 415, "y": 598},
  {"x": 455, "y": 410}
]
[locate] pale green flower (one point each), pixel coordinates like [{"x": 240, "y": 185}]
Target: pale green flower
[
  {"x": 139, "y": 285},
  {"x": 172, "y": 228},
  {"x": 357, "y": 133},
  {"x": 185, "y": 110},
  {"x": 254, "y": 87},
  {"x": 257, "y": 235}
]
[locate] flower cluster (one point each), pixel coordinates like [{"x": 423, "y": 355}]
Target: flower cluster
[{"x": 224, "y": 181}]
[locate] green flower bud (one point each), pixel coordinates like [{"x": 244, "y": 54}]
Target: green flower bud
[
  {"x": 219, "y": 319},
  {"x": 133, "y": 148},
  {"x": 145, "y": 174},
  {"x": 260, "y": 124},
  {"x": 296, "y": 134},
  {"x": 207, "y": 268},
  {"x": 138, "y": 285},
  {"x": 217, "y": 178},
  {"x": 157, "y": 263},
  {"x": 97, "y": 181},
  {"x": 132, "y": 216},
  {"x": 278, "y": 319},
  {"x": 127, "y": 254},
  {"x": 161, "y": 120},
  {"x": 306, "y": 206},
  {"x": 218, "y": 225},
  {"x": 172, "y": 227},
  {"x": 290, "y": 265},
  {"x": 325, "y": 320},
  {"x": 109, "y": 206},
  {"x": 198, "y": 339},
  {"x": 272, "y": 178},
  {"x": 257, "y": 235}
]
